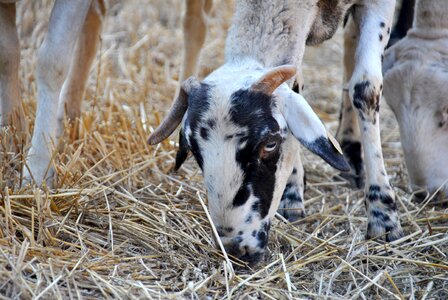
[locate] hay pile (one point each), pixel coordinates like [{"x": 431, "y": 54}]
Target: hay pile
[{"x": 120, "y": 224}]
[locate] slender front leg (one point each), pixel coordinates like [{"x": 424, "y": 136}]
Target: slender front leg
[
  {"x": 195, "y": 29},
  {"x": 291, "y": 205},
  {"x": 374, "y": 19},
  {"x": 11, "y": 110},
  {"x": 348, "y": 133},
  {"x": 75, "y": 84},
  {"x": 53, "y": 61}
]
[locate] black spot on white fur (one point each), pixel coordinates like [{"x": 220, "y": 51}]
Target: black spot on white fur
[
  {"x": 253, "y": 110},
  {"x": 198, "y": 104},
  {"x": 241, "y": 196},
  {"x": 383, "y": 217},
  {"x": 204, "y": 133}
]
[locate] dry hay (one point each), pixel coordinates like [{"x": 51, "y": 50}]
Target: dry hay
[{"x": 121, "y": 225}]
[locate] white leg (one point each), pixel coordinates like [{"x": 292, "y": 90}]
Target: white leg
[
  {"x": 374, "y": 19},
  {"x": 75, "y": 84},
  {"x": 54, "y": 56}
]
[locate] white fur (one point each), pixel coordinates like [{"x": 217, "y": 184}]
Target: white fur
[{"x": 416, "y": 88}]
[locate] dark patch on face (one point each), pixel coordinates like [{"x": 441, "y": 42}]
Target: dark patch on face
[
  {"x": 248, "y": 219},
  {"x": 211, "y": 123},
  {"x": 241, "y": 196},
  {"x": 237, "y": 239},
  {"x": 262, "y": 238},
  {"x": 258, "y": 207},
  {"x": 204, "y": 133},
  {"x": 382, "y": 24},
  {"x": 198, "y": 104},
  {"x": 381, "y": 37},
  {"x": 253, "y": 110},
  {"x": 224, "y": 231}
]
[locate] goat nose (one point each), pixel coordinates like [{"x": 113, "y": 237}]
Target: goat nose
[
  {"x": 243, "y": 253},
  {"x": 233, "y": 248}
]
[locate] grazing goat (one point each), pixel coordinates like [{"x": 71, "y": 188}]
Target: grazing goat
[
  {"x": 243, "y": 123},
  {"x": 63, "y": 64},
  {"x": 416, "y": 88}
]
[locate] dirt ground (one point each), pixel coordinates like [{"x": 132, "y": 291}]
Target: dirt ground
[{"x": 121, "y": 224}]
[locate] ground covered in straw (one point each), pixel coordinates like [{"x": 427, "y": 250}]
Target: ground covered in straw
[{"x": 121, "y": 224}]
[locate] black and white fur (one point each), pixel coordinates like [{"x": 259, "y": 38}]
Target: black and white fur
[{"x": 247, "y": 142}]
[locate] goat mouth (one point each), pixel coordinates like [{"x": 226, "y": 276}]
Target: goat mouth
[{"x": 251, "y": 260}]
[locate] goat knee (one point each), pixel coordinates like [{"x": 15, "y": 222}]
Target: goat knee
[
  {"x": 366, "y": 95},
  {"x": 52, "y": 67}
]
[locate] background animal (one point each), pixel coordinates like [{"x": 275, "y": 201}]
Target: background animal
[
  {"x": 63, "y": 65},
  {"x": 416, "y": 88}
]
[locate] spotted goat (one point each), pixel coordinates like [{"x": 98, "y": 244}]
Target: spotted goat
[
  {"x": 416, "y": 77},
  {"x": 243, "y": 123}
]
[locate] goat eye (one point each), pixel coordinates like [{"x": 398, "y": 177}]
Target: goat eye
[{"x": 270, "y": 147}]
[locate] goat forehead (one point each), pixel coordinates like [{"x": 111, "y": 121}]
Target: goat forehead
[{"x": 240, "y": 112}]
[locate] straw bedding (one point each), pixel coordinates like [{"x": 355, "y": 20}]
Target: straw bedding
[{"x": 121, "y": 224}]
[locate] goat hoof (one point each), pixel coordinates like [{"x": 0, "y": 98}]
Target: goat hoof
[
  {"x": 37, "y": 175},
  {"x": 384, "y": 232}
]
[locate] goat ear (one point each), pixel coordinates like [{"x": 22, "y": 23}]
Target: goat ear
[
  {"x": 306, "y": 126},
  {"x": 182, "y": 153}
]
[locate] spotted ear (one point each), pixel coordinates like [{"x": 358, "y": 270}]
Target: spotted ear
[
  {"x": 182, "y": 153},
  {"x": 306, "y": 126}
]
